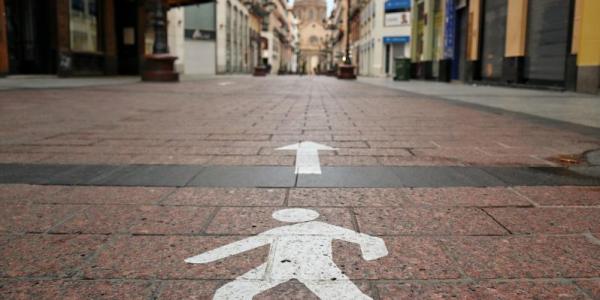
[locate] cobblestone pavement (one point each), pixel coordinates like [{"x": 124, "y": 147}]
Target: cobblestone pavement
[{"x": 118, "y": 242}]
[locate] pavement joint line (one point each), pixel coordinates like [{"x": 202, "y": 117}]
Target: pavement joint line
[
  {"x": 166, "y": 197},
  {"x": 582, "y": 290},
  {"x": 454, "y": 258},
  {"x": 353, "y": 219},
  {"x": 77, "y": 272},
  {"x": 495, "y": 220},
  {"x": 200, "y": 234},
  {"x": 91, "y": 204},
  {"x": 156, "y": 289},
  {"x": 68, "y": 217},
  {"x": 209, "y": 219},
  {"x": 433, "y": 281},
  {"x": 286, "y": 198},
  {"x": 533, "y": 203},
  {"x": 592, "y": 238}
]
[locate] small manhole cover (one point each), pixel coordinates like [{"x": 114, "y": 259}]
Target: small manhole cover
[{"x": 593, "y": 157}]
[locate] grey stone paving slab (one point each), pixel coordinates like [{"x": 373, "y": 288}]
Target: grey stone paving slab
[
  {"x": 352, "y": 177},
  {"x": 593, "y": 171},
  {"x": 247, "y": 176},
  {"x": 548, "y": 176},
  {"x": 82, "y": 174},
  {"x": 30, "y": 173},
  {"x": 445, "y": 177},
  {"x": 277, "y": 176},
  {"x": 150, "y": 175}
]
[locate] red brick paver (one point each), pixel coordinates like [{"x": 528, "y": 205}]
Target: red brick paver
[
  {"x": 105, "y": 242},
  {"x": 195, "y": 123}
]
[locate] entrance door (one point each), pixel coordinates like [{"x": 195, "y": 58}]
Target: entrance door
[
  {"x": 494, "y": 32},
  {"x": 30, "y": 25},
  {"x": 127, "y": 36},
  {"x": 460, "y": 46}
]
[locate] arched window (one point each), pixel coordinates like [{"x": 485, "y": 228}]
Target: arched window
[
  {"x": 311, "y": 15},
  {"x": 314, "y": 40}
]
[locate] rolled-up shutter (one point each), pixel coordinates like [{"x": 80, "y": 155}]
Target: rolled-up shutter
[{"x": 547, "y": 40}]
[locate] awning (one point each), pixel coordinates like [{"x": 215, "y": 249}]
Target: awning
[
  {"x": 396, "y": 39},
  {"x": 174, "y": 3}
]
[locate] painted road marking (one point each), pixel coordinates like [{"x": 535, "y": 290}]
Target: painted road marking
[
  {"x": 225, "y": 83},
  {"x": 307, "y": 156},
  {"x": 301, "y": 251}
]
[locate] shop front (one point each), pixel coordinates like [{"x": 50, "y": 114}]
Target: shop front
[{"x": 76, "y": 37}]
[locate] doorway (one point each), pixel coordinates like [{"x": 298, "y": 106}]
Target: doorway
[
  {"x": 460, "y": 46},
  {"x": 30, "y": 30},
  {"x": 126, "y": 26}
]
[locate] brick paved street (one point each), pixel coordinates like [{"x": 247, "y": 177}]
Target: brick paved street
[{"x": 487, "y": 229}]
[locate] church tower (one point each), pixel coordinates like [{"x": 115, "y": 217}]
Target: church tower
[{"x": 312, "y": 15}]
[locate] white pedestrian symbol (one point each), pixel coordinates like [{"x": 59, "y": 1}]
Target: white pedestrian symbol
[{"x": 301, "y": 251}]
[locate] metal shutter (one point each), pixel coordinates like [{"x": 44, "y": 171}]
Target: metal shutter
[{"x": 547, "y": 40}]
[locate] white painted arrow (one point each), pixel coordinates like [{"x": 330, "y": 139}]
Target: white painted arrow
[{"x": 307, "y": 156}]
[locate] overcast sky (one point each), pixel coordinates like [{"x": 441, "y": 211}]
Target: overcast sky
[{"x": 329, "y": 5}]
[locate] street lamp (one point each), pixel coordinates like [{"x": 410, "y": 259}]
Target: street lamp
[
  {"x": 263, "y": 9},
  {"x": 346, "y": 70},
  {"x": 332, "y": 27},
  {"x": 159, "y": 66}
]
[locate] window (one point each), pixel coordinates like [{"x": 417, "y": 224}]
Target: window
[
  {"x": 83, "y": 21},
  {"x": 311, "y": 15},
  {"x": 314, "y": 40}
]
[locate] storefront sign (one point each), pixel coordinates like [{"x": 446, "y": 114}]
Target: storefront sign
[
  {"x": 201, "y": 35},
  {"x": 396, "y": 39},
  {"x": 397, "y": 19},
  {"x": 397, "y": 4},
  {"x": 449, "y": 29}
]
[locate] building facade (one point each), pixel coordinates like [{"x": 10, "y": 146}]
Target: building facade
[
  {"x": 312, "y": 15},
  {"x": 210, "y": 38},
  {"x": 295, "y": 41},
  {"x": 536, "y": 43},
  {"x": 385, "y": 34},
  {"x": 77, "y": 37},
  {"x": 192, "y": 38}
]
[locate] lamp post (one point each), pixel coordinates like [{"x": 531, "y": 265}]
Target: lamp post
[
  {"x": 346, "y": 70},
  {"x": 263, "y": 9},
  {"x": 331, "y": 26},
  {"x": 159, "y": 66}
]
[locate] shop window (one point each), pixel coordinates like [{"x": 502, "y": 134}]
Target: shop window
[{"x": 83, "y": 18}]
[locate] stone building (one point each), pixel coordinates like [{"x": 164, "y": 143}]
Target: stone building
[{"x": 311, "y": 15}]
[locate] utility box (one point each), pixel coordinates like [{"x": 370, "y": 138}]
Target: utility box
[{"x": 402, "y": 68}]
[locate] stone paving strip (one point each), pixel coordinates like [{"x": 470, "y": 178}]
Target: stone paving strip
[
  {"x": 271, "y": 176},
  {"x": 59, "y": 241}
]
